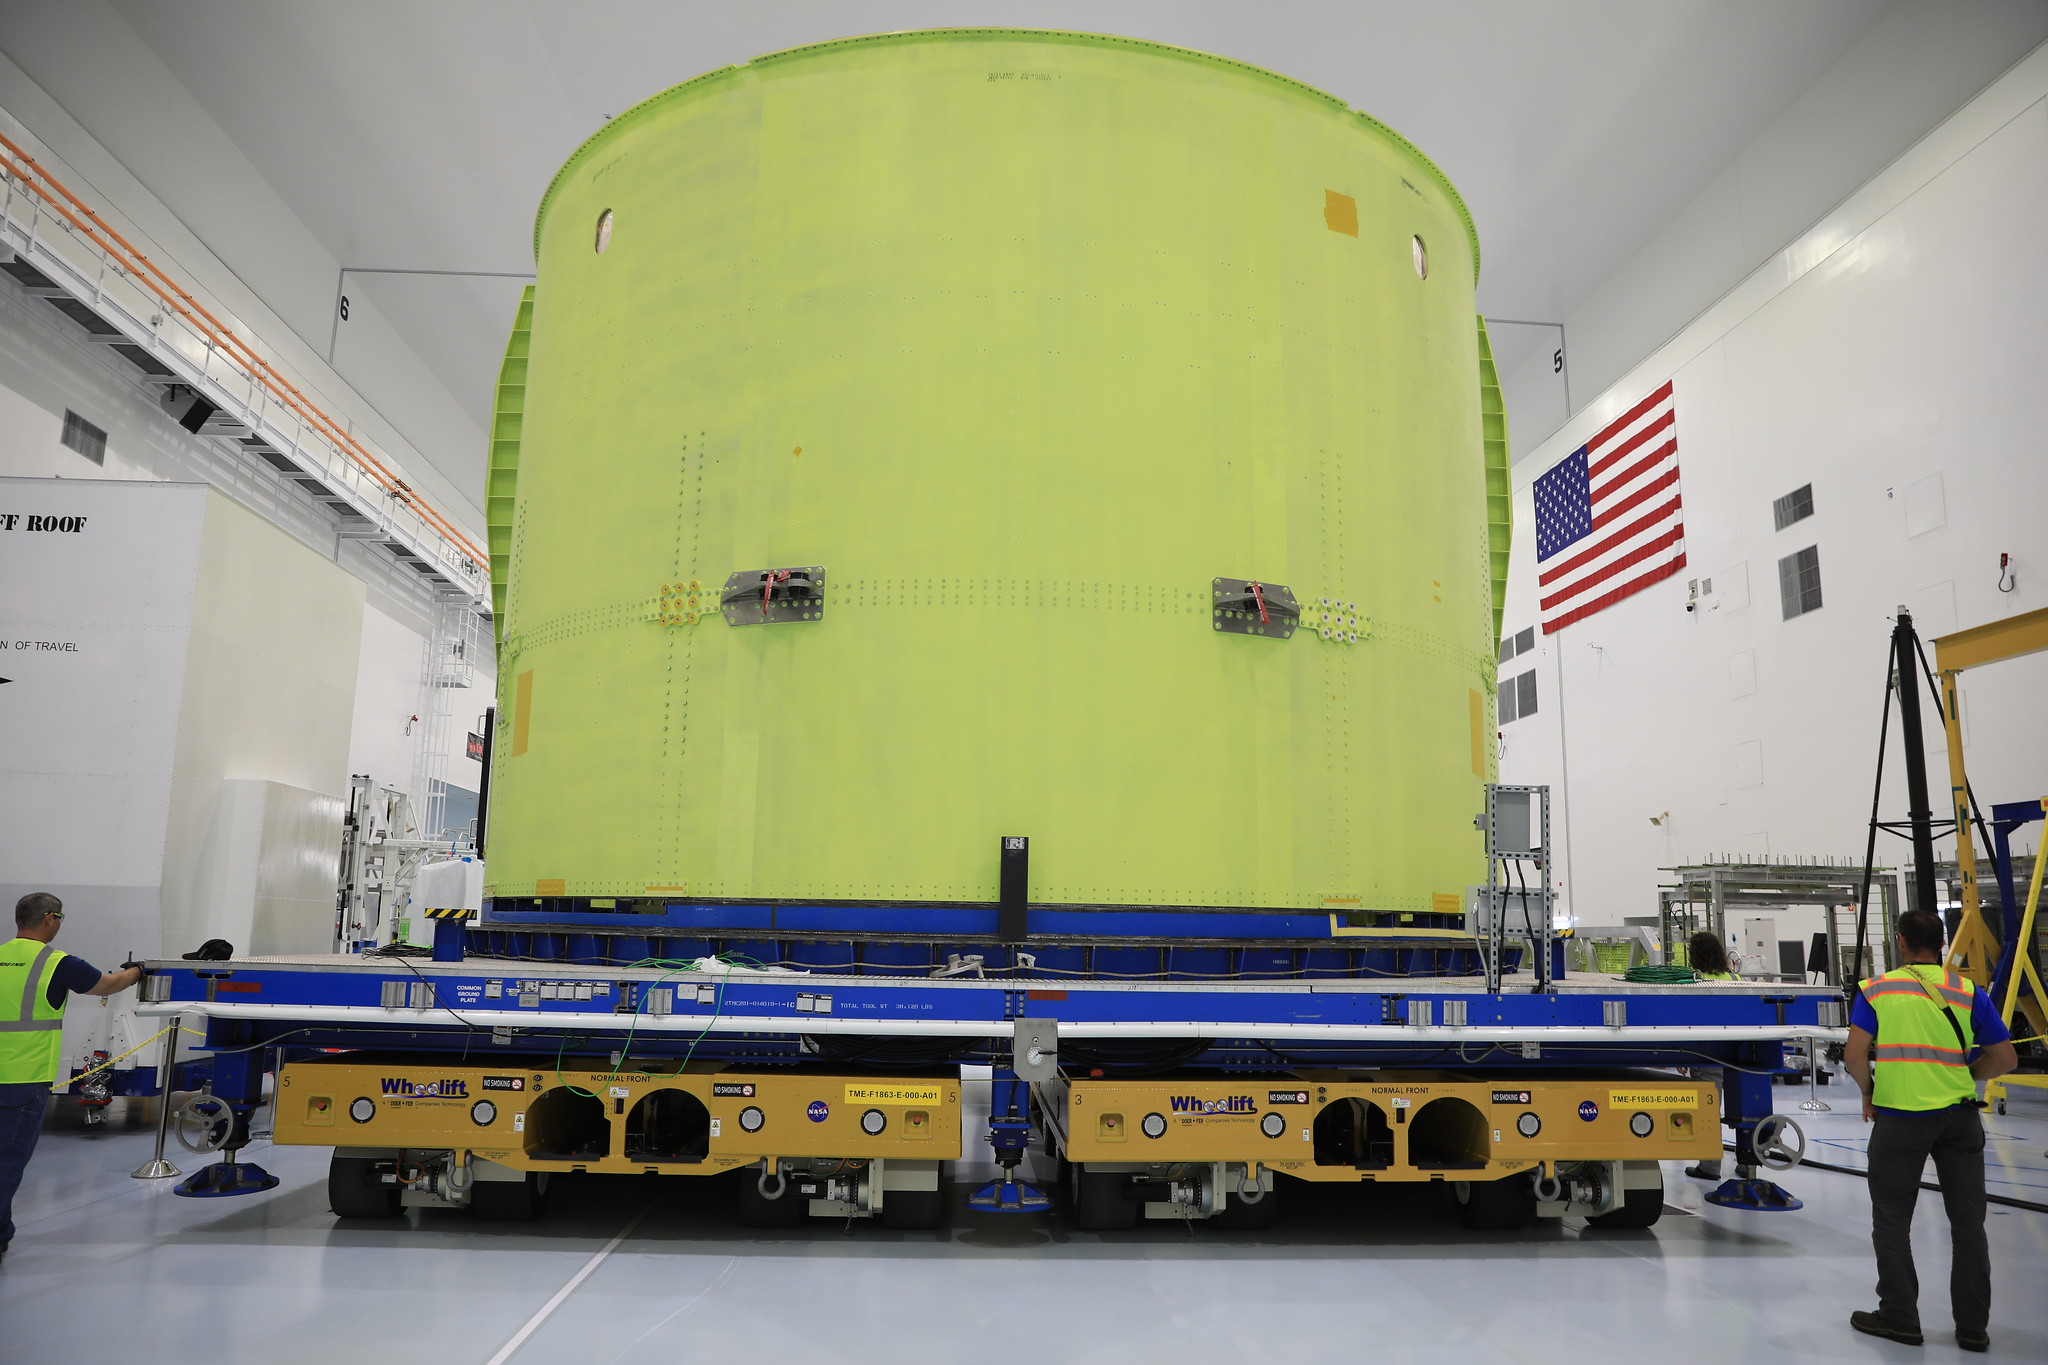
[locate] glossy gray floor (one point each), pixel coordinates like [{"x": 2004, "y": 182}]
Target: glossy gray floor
[{"x": 648, "y": 1270}]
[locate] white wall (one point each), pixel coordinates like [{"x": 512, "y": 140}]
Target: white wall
[
  {"x": 177, "y": 718},
  {"x": 1915, "y": 66},
  {"x": 387, "y": 697},
  {"x": 268, "y": 696},
  {"x": 266, "y": 870},
  {"x": 91, "y": 728},
  {"x": 1893, "y": 350}
]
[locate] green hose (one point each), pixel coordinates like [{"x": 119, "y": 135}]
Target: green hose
[{"x": 1661, "y": 976}]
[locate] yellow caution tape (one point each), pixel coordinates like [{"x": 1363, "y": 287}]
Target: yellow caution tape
[{"x": 131, "y": 1052}]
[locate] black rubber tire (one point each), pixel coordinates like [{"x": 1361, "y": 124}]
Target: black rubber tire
[
  {"x": 788, "y": 1211},
  {"x": 913, "y": 1210},
  {"x": 1639, "y": 1209},
  {"x": 1239, "y": 1216},
  {"x": 510, "y": 1201},
  {"x": 1494, "y": 1205},
  {"x": 1099, "y": 1204},
  {"x": 354, "y": 1189}
]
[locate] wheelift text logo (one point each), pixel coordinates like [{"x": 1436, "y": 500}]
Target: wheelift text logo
[
  {"x": 445, "y": 1089},
  {"x": 1235, "y": 1104}
]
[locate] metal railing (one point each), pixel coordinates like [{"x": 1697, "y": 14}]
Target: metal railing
[{"x": 86, "y": 259}]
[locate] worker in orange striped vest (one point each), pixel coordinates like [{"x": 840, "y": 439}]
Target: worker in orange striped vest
[{"x": 1920, "y": 1039}]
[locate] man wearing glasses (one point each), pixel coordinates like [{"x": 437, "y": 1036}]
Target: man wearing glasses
[{"x": 35, "y": 981}]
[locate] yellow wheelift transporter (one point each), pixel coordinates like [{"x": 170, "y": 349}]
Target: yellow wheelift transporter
[{"x": 850, "y": 1145}]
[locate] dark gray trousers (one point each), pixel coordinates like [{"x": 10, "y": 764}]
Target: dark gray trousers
[
  {"x": 1899, "y": 1147},
  {"x": 21, "y": 1122}
]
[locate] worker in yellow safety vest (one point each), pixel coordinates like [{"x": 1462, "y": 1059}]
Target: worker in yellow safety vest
[
  {"x": 35, "y": 981},
  {"x": 1920, "y": 1038}
]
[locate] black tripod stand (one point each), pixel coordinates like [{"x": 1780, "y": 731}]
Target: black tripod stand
[{"x": 1903, "y": 675}]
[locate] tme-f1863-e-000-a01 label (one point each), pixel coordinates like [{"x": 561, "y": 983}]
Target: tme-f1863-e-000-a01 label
[
  {"x": 1652, "y": 1099},
  {"x": 883, "y": 1092}
]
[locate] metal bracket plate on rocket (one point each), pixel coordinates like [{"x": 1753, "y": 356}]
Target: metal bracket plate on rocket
[
  {"x": 1245, "y": 606},
  {"x": 758, "y": 597}
]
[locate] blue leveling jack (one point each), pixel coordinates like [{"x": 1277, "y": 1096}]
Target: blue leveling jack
[
  {"x": 225, "y": 1178},
  {"x": 1759, "y": 1196},
  {"x": 1009, "y": 1133},
  {"x": 1010, "y": 1196},
  {"x": 237, "y": 1089},
  {"x": 1773, "y": 1141}
]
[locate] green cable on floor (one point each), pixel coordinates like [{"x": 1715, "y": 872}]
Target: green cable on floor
[{"x": 1661, "y": 976}]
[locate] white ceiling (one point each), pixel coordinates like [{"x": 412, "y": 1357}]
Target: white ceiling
[{"x": 420, "y": 134}]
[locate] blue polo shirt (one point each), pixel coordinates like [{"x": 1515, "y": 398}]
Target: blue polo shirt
[
  {"x": 74, "y": 976},
  {"x": 1986, "y": 1028}
]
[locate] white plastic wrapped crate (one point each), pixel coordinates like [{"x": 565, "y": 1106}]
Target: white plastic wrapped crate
[{"x": 456, "y": 884}]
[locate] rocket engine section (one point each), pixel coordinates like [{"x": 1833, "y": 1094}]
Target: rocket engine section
[{"x": 918, "y": 440}]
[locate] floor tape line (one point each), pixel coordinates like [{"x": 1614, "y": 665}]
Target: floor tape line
[
  {"x": 731, "y": 1264},
  {"x": 533, "y": 1323}
]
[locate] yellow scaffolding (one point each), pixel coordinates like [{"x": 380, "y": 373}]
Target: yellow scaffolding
[{"x": 1975, "y": 949}]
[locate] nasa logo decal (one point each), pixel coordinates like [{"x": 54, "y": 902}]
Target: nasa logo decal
[
  {"x": 1588, "y": 1110},
  {"x": 818, "y": 1111}
]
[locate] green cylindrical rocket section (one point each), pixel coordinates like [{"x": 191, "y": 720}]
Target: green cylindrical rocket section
[{"x": 1026, "y": 339}]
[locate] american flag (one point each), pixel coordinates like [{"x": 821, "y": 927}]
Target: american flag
[{"x": 1608, "y": 518}]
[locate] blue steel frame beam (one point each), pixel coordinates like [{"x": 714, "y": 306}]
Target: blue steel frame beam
[{"x": 819, "y": 1003}]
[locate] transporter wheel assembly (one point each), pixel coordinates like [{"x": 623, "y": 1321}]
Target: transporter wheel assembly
[
  {"x": 913, "y": 1210},
  {"x": 1099, "y": 1201},
  {"x": 359, "y": 1187},
  {"x": 510, "y": 1201},
  {"x": 1494, "y": 1205},
  {"x": 1640, "y": 1207}
]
